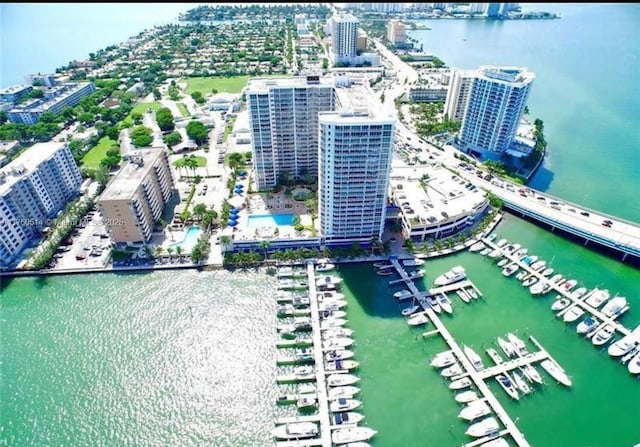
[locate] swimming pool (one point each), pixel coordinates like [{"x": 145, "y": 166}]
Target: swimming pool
[
  {"x": 269, "y": 220},
  {"x": 190, "y": 239}
]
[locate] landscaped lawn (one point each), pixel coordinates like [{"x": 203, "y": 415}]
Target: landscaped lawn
[
  {"x": 182, "y": 108},
  {"x": 142, "y": 108},
  {"x": 202, "y": 161},
  {"x": 233, "y": 84},
  {"x": 93, "y": 158}
]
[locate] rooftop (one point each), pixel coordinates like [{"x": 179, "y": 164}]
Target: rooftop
[
  {"x": 355, "y": 102},
  {"x": 262, "y": 85},
  {"x": 13, "y": 89},
  {"x": 27, "y": 162},
  {"x": 126, "y": 182},
  {"x": 506, "y": 74}
]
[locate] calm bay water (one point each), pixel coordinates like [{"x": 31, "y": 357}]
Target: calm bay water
[{"x": 187, "y": 358}]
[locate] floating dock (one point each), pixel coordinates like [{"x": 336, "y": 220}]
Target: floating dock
[{"x": 497, "y": 408}]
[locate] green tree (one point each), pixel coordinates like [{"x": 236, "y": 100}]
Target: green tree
[
  {"x": 198, "y": 98},
  {"x": 172, "y": 139},
  {"x": 141, "y": 136},
  {"x": 199, "y": 210},
  {"x": 197, "y": 131},
  {"x": 136, "y": 117},
  {"x": 164, "y": 117},
  {"x": 156, "y": 94},
  {"x": 86, "y": 118}
]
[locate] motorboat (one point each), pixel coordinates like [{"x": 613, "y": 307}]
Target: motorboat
[
  {"x": 289, "y": 284},
  {"x": 346, "y": 391},
  {"x": 578, "y": 293},
  {"x": 629, "y": 355},
  {"x": 510, "y": 269},
  {"x": 520, "y": 382},
  {"x": 332, "y": 322},
  {"x": 381, "y": 265},
  {"x": 337, "y": 343},
  {"x": 530, "y": 281},
  {"x": 483, "y": 428},
  {"x": 466, "y": 396},
  {"x": 413, "y": 262},
  {"x": 296, "y": 430},
  {"x": 287, "y": 331},
  {"x": 453, "y": 370},
  {"x": 328, "y": 281},
  {"x": 532, "y": 374},
  {"x": 501, "y": 243},
  {"x": 339, "y": 354},
  {"x": 603, "y": 335},
  {"x": 332, "y": 314},
  {"x": 433, "y": 303},
  {"x": 542, "y": 287},
  {"x": 495, "y": 253},
  {"x": 507, "y": 384},
  {"x": 614, "y": 307},
  {"x": 416, "y": 274},
  {"x": 507, "y": 347},
  {"x": 325, "y": 267},
  {"x": 307, "y": 401},
  {"x": 495, "y": 356},
  {"x": 473, "y": 357},
  {"x": 634, "y": 364},
  {"x": 492, "y": 237},
  {"x": 342, "y": 379},
  {"x": 385, "y": 272},
  {"x": 350, "y": 435},
  {"x": 403, "y": 294},
  {"x": 597, "y": 297},
  {"x": 486, "y": 251},
  {"x": 556, "y": 372},
  {"x": 463, "y": 295},
  {"x": 538, "y": 265},
  {"x": 555, "y": 279},
  {"x": 344, "y": 404},
  {"x": 586, "y": 325},
  {"x": 443, "y": 359},
  {"x": 569, "y": 284},
  {"x": 300, "y": 301},
  {"x": 547, "y": 272},
  {"x": 521, "y": 252},
  {"x": 471, "y": 292},
  {"x": 503, "y": 262},
  {"x": 522, "y": 275},
  {"x": 337, "y": 332},
  {"x": 460, "y": 383},
  {"x": 346, "y": 418},
  {"x": 474, "y": 410},
  {"x": 478, "y": 246},
  {"x": 329, "y": 296},
  {"x": 528, "y": 260},
  {"x": 497, "y": 442},
  {"x": 518, "y": 344},
  {"x": 331, "y": 305},
  {"x": 560, "y": 304},
  {"x": 625, "y": 344},
  {"x": 445, "y": 303},
  {"x": 284, "y": 272},
  {"x": 456, "y": 274},
  {"x": 573, "y": 314},
  {"x": 418, "y": 319},
  {"x": 410, "y": 310}
]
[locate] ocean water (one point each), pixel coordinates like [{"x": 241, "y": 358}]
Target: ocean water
[{"x": 587, "y": 68}]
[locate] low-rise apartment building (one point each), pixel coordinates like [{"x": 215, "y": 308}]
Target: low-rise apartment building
[{"x": 55, "y": 101}]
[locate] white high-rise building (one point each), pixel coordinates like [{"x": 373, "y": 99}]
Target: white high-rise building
[
  {"x": 283, "y": 117},
  {"x": 344, "y": 35},
  {"x": 356, "y": 145},
  {"x": 33, "y": 188},
  {"x": 396, "y": 32},
  {"x": 458, "y": 93},
  {"x": 477, "y": 8},
  {"x": 496, "y": 102}
]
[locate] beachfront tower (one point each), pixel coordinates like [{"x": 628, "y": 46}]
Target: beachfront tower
[
  {"x": 496, "y": 102},
  {"x": 344, "y": 35},
  {"x": 283, "y": 117},
  {"x": 356, "y": 144},
  {"x": 458, "y": 94}
]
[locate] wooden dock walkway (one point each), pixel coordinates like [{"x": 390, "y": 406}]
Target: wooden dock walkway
[
  {"x": 512, "y": 364},
  {"x": 321, "y": 384},
  {"x": 511, "y": 427},
  {"x": 558, "y": 288}
]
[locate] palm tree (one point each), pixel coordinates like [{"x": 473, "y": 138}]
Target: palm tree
[
  {"x": 170, "y": 251},
  {"x": 264, "y": 246},
  {"x": 159, "y": 250},
  {"x": 179, "y": 252},
  {"x": 224, "y": 241}
]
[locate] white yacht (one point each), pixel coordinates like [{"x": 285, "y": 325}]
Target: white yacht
[
  {"x": 445, "y": 303},
  {"x": 331, "y": 305},
  {"x": 452, "y": 370},
  {"x": 573, "y": 314},
  {"x": 346, "y": 418},
  {"x": 555, "y": 279},
  {"x": 474, "y": 410},
  {"x": 580, "y": 292},
  {"x": 518, "y": 344},
  {"x": 502, "y": 242},
  {"x": 597, "y": 297},
  {"x": 503, "y": 262},
  {"x": 569, "y": 284},
  {"x": 296, "y": 430},
  {"x": 634, "y": 364},
  {"x": 342, "y": 379},
  {"x": 486, "y": 251},
  {"x": 328, "y": 281},
  {"x": 540, "y": 288},
  {"x": 538, "y": 265},
  {"x": 510, "y": 269},
  {"x": 443, "y": 359},
  {"x": 403, "y": 294},
  {"x": 418, "y": 319},
  {"x": 410, "y": 310},
  {"x": 586, "y": 325},
  {"x": 433, "y": 303},
  {"x": 324, "y": 314},
  {"x": 340, "y": 365},
  {"x": 532, "y": 374},
  {"x": 603, "y": 335},
  {"x": 343, "y": 404},
  {"x": 520, "y": 382},
  {"x": 625, "y": 344},
  {"x": 339, "y": 354},
  {"x": 325, "y": 267},
  {"x": 547, "y": 272},
  {"x": 507, "y": 347},
  {"x": 614, "y": 307},
  {"x": 337, "y": 332},
  {"x": 346, "y": 391},
  {"x": 463, "y": 295},
  {"x": 471, "y": 291},
  {"x": 337, "y": 343},
  {"x": 478, "y": 246},
  {"x": 349, "y": 435},
  {"x": 560, "y": 303},
  {"x": 466, "y": 396},
  {"x": 329, "y": 295},
  {"x": 507, "y": 384},
  {"x": 456, "y": 274},
  {"x": 495, "y": 356},
  {"x": 530, "y": 281},
  {"x": 473, "y": 357},
  {"x": 556, "y": 372},
  {"x": 460, "y": 383},
  {"x": 483, "y": 428},
  {"x": 413, "y": 262},
  {"x": 332, "y": 323}
]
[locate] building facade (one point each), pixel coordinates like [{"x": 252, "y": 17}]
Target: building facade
[
  {"x": 344, "y": 35},
  {"x": 495, "y": 106},
  {"x": 396, "y": 32},
  {"x": 135, "y": 198},
  {"x": 55, "y": 101},
  {"x": 355, "y": 149},
  {"x": 458, "y": 93},
  {"x": 15, "y": 93},
  {"x": 283, "y": 119},
  {"x": 33, "y": 188}
]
